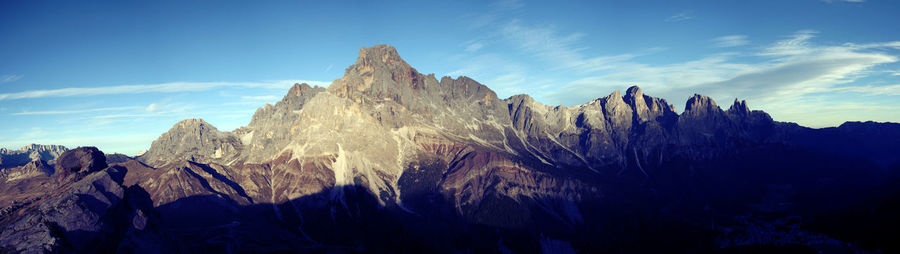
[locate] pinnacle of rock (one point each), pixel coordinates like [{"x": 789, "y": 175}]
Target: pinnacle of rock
[
  {"x": 634, "y": 92},
  {"x": 739, "y": 107}
]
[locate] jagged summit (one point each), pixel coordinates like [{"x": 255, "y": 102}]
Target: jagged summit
[
  {"x": 700, "y": 105},
  {"x": 300, "y": 93},
  {"x": 739, "y": 107},
  {"x": 380, "y": 54}
]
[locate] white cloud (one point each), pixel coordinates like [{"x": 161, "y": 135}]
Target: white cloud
[
  {"x": 730, "y": 41},
  {"x": 848, "y": 1},
  {"x": 10, "y": 78},
  {"x": 172, "y": 87},
  {"x": 682, "y": 16}
]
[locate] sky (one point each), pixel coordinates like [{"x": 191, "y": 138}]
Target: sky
[{"x": 118, "y": 74}]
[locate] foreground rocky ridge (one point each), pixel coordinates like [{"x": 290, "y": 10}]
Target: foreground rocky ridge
[
  {"x": 84, "y": 208},
  {"x": 387, "y": 159}
]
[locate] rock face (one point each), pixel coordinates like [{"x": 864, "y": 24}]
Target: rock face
[{"x": 387, "y": 159}]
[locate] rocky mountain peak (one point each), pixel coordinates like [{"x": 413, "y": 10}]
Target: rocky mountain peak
[
  {"x": 191, "y": 139},
  {"x": 739, "y": 108},
  {"x": 699, "y": 105},
  {"x": 296, "y": 90},
  {"x": 613, "y": 101},
  {"x": 379, "y": 73},
  {"x": 300, "y": 93},
  {"x": 635, "y": 98},
  {"x": 379, "y": 55},
  {"x": 634, "y": 92},
  {"x": 191, "y": 124}
]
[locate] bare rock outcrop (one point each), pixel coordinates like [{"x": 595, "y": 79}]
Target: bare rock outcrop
[{"x": 77, "y": 163}]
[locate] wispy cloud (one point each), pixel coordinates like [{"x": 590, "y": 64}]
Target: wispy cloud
[
  {"x": 472, "y": 46},
  {"x": 870, "y": 90},
  {"x": 682, "y": 16},
  {"x": 10, "y": 78},
  {"x": 563, "y": 51},
  {"x": 76, "y": 111},
  {"x": 796, "y": 44},
  {"x": 161, "y": 109},
  {"x": 730, "y": 41},
  {"x": 172, "y": 87}
]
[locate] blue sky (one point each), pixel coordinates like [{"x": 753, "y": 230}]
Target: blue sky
[{"x": 118, "y": 74}]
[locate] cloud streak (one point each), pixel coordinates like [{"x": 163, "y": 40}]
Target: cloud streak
[
  {"x": 10, "y": 78},
  {"x": 173, "y": 87},
  {"x": 730, "y": 41},
  {"x": 562, "y": 50},
  {"x": 78, "y": 111},
  {"x": 682, "y": 16}
]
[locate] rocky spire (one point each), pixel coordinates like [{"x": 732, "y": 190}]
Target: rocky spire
[{"x": 739, "y": 108}]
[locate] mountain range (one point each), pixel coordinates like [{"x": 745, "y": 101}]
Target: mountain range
[{"x": 387, "y": 159}]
